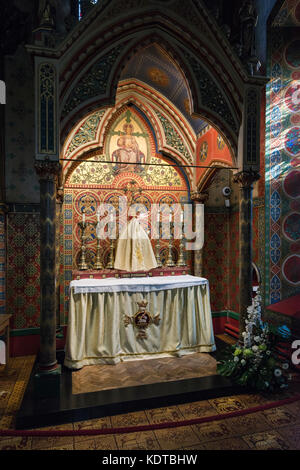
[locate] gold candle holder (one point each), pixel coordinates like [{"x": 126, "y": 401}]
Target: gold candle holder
[
  {"x": 82, "y": 264},
  {"x": 111, "y": 259},
  {"x": 181, "y": 260},
  {"x": 170, "y": 261},
  {"x": 157, "y": 248},
  {"x": 98, "y": 263}
]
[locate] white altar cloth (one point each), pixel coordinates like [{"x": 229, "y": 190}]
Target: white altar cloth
[{"x": 97, "y": 329}]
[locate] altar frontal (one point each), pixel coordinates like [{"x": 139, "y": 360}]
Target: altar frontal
[{"x": 114, "y": 320}]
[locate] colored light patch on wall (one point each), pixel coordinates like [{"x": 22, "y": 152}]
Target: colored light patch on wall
[
  {"x": 292, "y": 98},
  {"x": 292, "y": 141}
]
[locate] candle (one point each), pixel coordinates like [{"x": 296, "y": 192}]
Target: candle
[
  {"x": 83, "y": 217},
  {"x": 181, "y": 216},
  {"x": 170, "y": 218}
]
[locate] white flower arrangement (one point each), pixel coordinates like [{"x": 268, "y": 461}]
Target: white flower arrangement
[{"x": 255, "y": 362}]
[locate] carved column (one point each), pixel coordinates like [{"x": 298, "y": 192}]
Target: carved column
[
  {"x": 47, "y": 172},
  {"x": 245, "y": 179},
  {"x": 197, "y": 198}
]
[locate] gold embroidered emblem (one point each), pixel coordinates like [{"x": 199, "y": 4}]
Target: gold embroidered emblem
[{"x": 142, "y": 319}]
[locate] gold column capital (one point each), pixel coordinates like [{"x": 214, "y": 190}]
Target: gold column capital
[
  {"x": 47, "y": 169},
  {"x": 246, "y": 178},
  {"x": 200, "y": 198}
]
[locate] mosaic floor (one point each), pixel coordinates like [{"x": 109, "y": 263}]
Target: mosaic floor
[
  {"x": 276, "y": 428},
  {"x": 130, "y": 374}
]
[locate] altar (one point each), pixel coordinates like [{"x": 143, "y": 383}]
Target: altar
[{"x": 114, "y": 320}]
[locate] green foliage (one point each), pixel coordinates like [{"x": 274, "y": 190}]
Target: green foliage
[{"x": 255, "y": 363}]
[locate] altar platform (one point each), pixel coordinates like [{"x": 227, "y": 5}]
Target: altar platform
[
  {"x": 68, "y": 406},
  {"x": 109, "y": 389}
]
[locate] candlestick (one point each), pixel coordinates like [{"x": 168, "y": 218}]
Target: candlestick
[
  {"x": 111, "y": 260},
  {"x": 98, "y": 263},
  {"x": 82, "y": 264},
  {"x": 157, "y": 249},
  {"x": 181, "y": 260},
  {"x": 170, "y": 261}
]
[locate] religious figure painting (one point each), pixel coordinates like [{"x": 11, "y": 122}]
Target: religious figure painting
[{"x": 128, "y": 146}]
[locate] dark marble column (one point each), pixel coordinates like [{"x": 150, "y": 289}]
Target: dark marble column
[
  {"x": 47, "y": 172},
  {"x": 197, "y": 198},
  {"x": 245, "y": 179}
]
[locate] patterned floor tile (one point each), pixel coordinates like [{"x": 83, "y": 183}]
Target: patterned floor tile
[
  {"x": 97, "y": 443},
  {"x": 252, "y": 400},
  {"x": 198, "y": 446},
  {"x": 235, "y": 443},
  {"x": 270, "y": 440},
  {"x": 248, "y": 424},
  {"x": 62, "y": 447},
  {"x": 280, "y": 417},
  {"x": 129, "y": 419},
  {"x": 97, "y": 423},
  {"x": 176, "y": 438},
  {"x": 137, "y": 441},
  {"x": 291, "y": 434},
  {"x": 15, "y": 443},
  {"x": 162, "y": 415},
  {"x": 213, "y": 431},
  {"x": 197, "y": 409},
  {"x": 227, "y": 404},
  {"x": 49, "y": 442},
  {"x": 53, "y": 442}
]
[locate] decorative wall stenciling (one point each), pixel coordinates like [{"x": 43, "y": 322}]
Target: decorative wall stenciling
[
  {"x": 211, "y": 150},
  {"x": 47, "y": 109},
  {"x": 94, "y": 82},
  {"x": 173, "y": 139},
  {"x": 86, "y": 133},
  {"x": 282, "y": 176},
  {"x": 212, "y": 97},
  {"x": 23, "y": 269}
]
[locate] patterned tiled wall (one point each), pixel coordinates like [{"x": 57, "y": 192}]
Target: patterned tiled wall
[
  {"x": 233, "y": 260},
  {"x": 23, "y": 269},
  {"x": 215, "y": 259},
  {"x": 282, "y": 161}
]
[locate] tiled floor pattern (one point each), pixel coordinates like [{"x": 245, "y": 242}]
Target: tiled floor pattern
[{"x": 276, "y": 428}]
